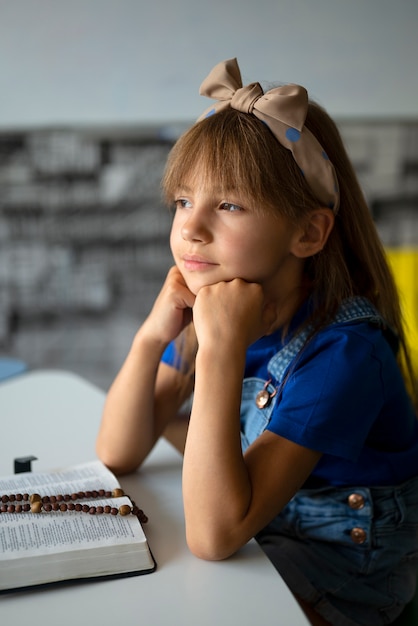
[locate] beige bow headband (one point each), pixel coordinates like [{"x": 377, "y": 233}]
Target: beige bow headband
[{"x": 284, "y": 110}]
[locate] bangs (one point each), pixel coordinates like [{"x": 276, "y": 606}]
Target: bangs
[{"x": 226, "y": 151}]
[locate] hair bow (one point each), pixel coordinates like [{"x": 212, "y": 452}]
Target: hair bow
[{"x": 284, "y": 110}]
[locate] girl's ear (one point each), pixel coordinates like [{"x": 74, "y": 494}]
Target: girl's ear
[{"x": 313, "y": 236}]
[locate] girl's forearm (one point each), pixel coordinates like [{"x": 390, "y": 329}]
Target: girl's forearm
[
  {"x": 216, "y": 484},
  {"x": 146, "y": 395},
  {"x": 228, "y": 496},
  {"x": 128, "y": 429}
]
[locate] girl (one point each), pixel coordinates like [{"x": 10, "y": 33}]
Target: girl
[{"x": 282, "y": 318}]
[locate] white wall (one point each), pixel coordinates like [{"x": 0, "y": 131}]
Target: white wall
[{"x": 136, "y": 61}]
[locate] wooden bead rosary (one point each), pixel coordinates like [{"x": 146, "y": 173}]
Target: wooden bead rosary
[{"x": 25, "y": 503}]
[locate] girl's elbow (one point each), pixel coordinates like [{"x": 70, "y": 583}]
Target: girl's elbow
[
  {"x": 209, "y": 548},
  {"x": 115, "y": 464}
]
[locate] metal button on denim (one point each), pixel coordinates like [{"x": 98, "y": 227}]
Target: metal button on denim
[
  {"x": 356, "y": 501},
  {"x": 358, "y": 535},
  {"x": 262, "y": 399}
]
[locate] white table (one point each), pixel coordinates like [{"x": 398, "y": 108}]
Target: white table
[{"x": 54, "y": 416}]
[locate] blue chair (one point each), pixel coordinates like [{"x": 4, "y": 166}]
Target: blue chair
[{"x": 11, "y": 367}]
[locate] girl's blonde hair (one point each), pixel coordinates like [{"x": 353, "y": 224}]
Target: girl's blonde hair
[{"x": 235, "y": 151}]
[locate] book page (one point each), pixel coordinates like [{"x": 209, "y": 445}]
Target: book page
[
  {"x": 24, "y": 534},
  {"x": 85, "y": 477}
]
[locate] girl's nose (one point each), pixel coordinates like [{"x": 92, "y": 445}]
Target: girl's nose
[{"x": 195, "y": 228}]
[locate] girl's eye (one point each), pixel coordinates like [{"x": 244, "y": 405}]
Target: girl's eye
[
  {"x": 182, "y": 203},
  {"x": 230, "y": 206}
]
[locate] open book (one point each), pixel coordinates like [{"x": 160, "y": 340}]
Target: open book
[{"x": 37, "y": 549}]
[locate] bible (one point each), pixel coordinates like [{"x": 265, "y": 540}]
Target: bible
[{"x": 91, "y": 535}]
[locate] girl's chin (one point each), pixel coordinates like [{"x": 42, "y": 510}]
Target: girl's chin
[
  {"x": 196, "y": 285},
  {"x": 195, "y": 288}
]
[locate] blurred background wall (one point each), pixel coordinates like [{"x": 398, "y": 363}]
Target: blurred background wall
[{"x": 92, "y": 95}]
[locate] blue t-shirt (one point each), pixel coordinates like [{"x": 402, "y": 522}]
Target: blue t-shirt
[{"x": 346, "y": 398}]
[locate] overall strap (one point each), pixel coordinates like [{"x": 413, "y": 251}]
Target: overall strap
[{"x": 354, "y": 309}]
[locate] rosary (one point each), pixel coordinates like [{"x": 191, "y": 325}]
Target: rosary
[{"x": 25, "y": 503}]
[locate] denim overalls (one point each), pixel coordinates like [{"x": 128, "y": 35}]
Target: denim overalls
[
  {"x": 350, "y": 552},
  {"x": 255, "y": 420}
]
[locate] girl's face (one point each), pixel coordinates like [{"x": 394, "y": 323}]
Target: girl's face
[{"x": 217, "y": 237}]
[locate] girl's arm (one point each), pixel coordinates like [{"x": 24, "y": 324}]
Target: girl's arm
[
  {"x": 146, "y": 395},
  {"x": 229, "y": 497}
]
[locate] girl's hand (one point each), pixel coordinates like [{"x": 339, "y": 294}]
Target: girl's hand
[
  {"x": 232, "y": 313},
  {"x": 172, "y": 310}
]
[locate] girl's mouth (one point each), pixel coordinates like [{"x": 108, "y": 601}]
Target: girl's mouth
[{"x": 194, "y": 262}]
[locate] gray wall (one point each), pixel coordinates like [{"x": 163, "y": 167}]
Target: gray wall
[{"x": 135, "y": 61}]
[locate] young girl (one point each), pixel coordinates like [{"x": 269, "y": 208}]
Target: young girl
[{"x": 282, "y": 318}]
